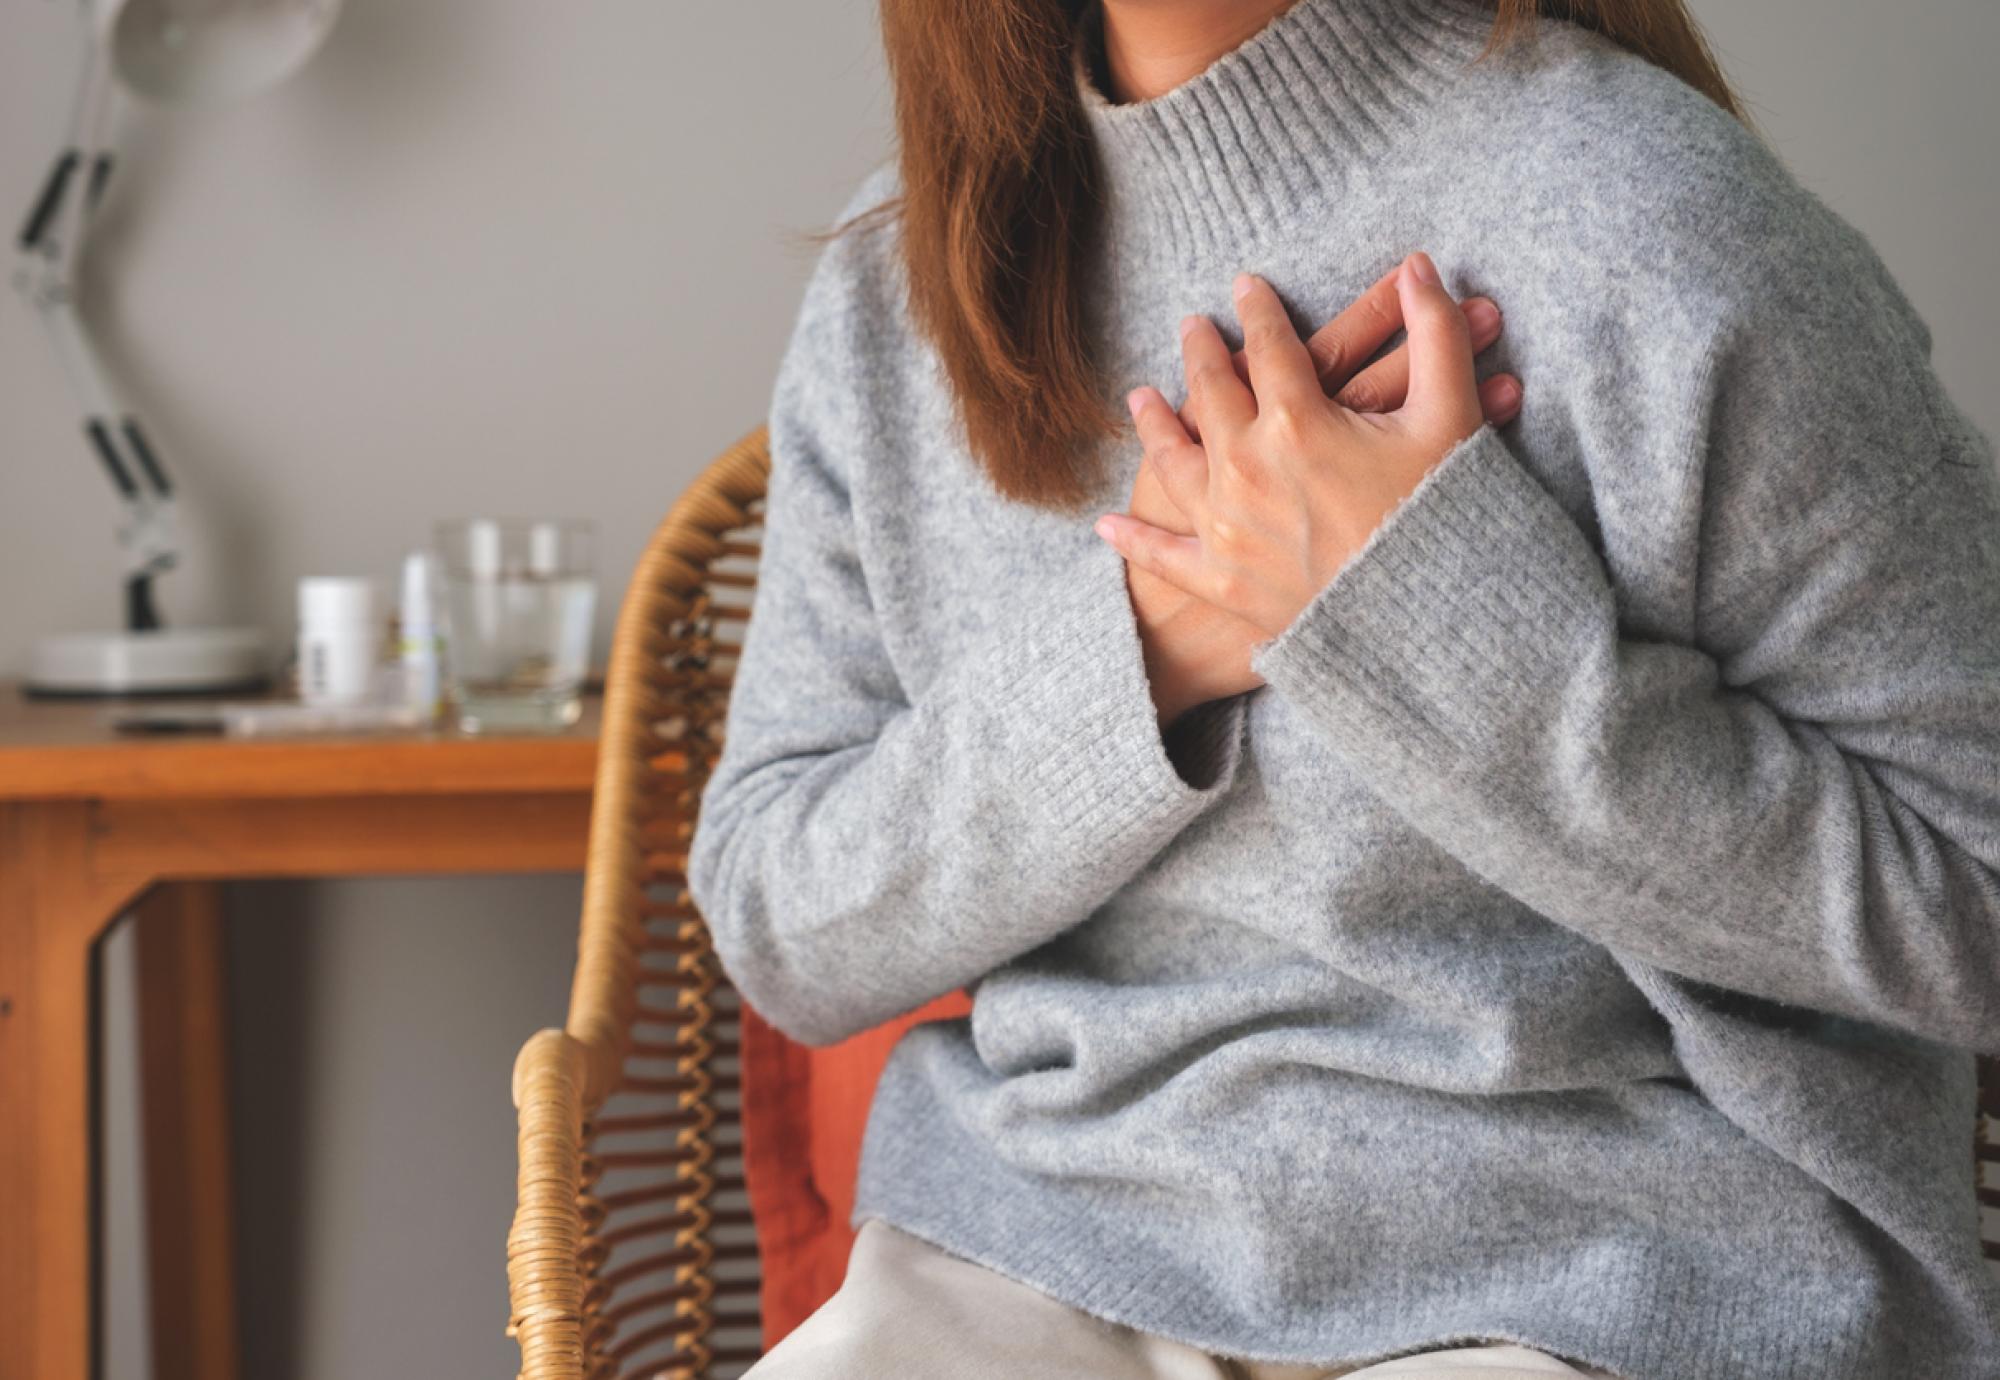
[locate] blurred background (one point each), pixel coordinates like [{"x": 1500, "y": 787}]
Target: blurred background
[{"x": 512, "y": 257}]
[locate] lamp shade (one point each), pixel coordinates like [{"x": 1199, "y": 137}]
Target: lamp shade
[{"x": 204, "y": 52}]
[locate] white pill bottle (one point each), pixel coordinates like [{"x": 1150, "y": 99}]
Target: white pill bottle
[{"x": 340, "y": 639}]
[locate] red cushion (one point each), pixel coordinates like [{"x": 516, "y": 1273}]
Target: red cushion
[{"x": 804, "y": 1110}]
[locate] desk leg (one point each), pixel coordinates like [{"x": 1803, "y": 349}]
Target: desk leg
[
  {"x": 52, "y": 908},
  {"x": 184, "y": 1083}
]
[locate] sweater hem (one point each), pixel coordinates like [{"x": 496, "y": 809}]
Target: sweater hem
[{"x": 1640, "y": 1308}]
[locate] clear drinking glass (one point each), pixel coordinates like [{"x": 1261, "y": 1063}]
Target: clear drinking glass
[{"x": 518, "y": 603}]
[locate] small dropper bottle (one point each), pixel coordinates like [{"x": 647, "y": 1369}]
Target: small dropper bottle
[{"x": 421, "y": 649}]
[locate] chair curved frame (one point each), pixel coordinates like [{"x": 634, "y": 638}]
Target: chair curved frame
[
  {"x": 608, "y": 1278},
  {"x": 608, "y": 1283}
]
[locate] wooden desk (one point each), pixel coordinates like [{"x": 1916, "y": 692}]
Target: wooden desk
[{"x": 95, "y": 824}]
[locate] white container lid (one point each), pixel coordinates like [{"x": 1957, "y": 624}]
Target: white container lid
[{"x": 336, "y": 599}]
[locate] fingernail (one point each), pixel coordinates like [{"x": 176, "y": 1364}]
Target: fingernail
[
  {"x": 1133, "y": 400},
  {"x": 1188, "y": 323},
  {"x": 1481, "y": 314},
  {"x": 1426, "y": 271},
  {"x": 1244, "y": 282},
  {"x": 1510, "y": 391},
  {"x": 1104, "y": 528}
]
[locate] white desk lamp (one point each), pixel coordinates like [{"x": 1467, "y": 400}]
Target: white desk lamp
[{"x": 173, "y": 52}]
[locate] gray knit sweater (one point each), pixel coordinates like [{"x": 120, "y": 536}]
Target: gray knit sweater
[{"x": 1581, "y": 938}]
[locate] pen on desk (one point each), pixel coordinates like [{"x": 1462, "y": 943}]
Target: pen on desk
[{"x": 197, "y": 718}]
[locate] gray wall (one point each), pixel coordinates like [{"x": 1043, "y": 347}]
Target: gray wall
[
  {"x": 496, "y": 254},
  {"x": 480, "y": 254},
  {"x": 1890, "y": 113}
]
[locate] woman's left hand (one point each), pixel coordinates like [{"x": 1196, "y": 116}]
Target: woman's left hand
[{"x": 1286, "y": 484}]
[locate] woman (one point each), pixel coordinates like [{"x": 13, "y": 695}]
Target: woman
[{"x": 1483, "y": 894}]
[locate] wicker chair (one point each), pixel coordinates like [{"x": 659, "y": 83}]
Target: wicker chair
[{"x": 623, "y": 1262}]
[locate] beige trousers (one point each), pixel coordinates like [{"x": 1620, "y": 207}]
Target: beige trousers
[{"x": 907, "y": 1310}]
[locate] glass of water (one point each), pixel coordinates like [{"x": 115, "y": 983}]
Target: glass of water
[{"x": 519, "y": 600}]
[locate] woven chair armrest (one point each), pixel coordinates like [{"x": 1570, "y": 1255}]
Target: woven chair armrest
[{"x": 544, "y": 1288}]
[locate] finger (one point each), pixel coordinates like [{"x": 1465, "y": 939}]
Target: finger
[
  {"x": 1383, "y": 385},
  {"x": 1500, "y": 398},
  {"x": 1178, "y": 462},
  {"x": 1217, "y": 399},
  {"x": 1443, "y": 391},
  {"x": 1175, "y": 559},
  {"x": 1281, "y": 370},
  {"x": 1342, "y": 345},
  {"x": 1482, "y": 319}
]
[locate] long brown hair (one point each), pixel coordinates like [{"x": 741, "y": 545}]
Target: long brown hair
[{"x": 999, "y": 198}]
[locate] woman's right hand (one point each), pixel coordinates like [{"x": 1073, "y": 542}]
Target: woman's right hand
[{"x": 1195, "y": 652}]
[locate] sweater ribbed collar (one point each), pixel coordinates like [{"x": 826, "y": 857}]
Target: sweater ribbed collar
[{"x": 1275, "y": 125}]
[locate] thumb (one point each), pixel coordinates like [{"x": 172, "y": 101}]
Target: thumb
[{"x": 1443, "y": 389}]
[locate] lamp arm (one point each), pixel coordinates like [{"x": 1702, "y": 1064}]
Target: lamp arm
[
  {"x": 91, "y": 110},
  {"x": 53, "y": 230},
  {"x": 49, "y": 247},
  {"x": 148, "y": 535}
]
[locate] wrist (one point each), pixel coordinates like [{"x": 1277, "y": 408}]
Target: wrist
[{"x": 1184, "y": 677}]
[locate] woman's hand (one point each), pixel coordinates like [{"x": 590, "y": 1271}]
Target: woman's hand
[
  {"x": 1342, "y": 345},
  {"x": 1286, "y": 484},
  {"x": 1197, "y": 652}
]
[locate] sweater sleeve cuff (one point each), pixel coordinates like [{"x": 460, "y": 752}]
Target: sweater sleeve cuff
[
  {"x": 1076, "y": 709},
  {"x": 1470, "y": 603}
]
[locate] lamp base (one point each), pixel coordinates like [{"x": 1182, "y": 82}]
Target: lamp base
[{"x": 166, "y": 661}]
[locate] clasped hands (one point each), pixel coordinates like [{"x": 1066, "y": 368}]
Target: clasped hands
[{"x": 1283, "y": 463}]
